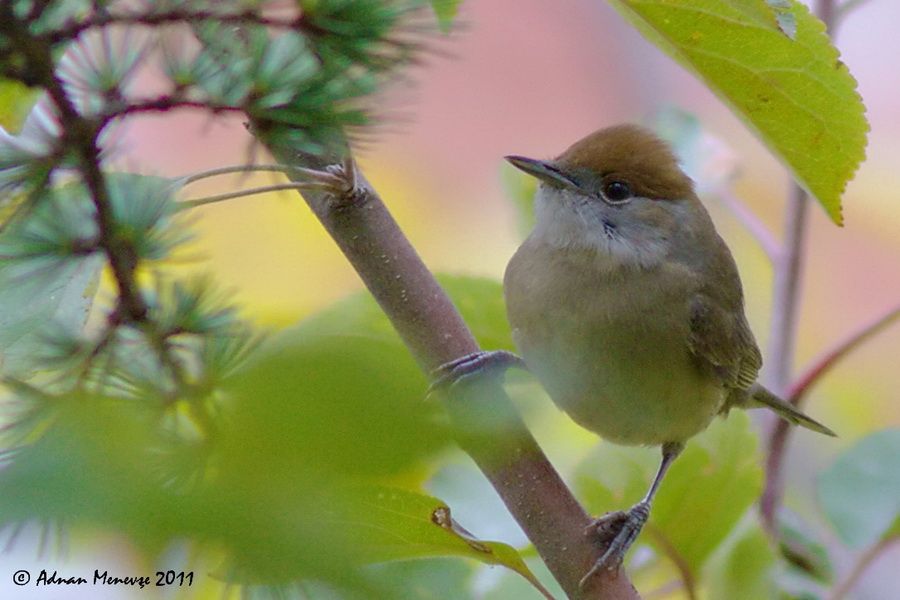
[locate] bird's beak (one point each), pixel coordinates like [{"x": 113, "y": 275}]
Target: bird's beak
[{"x": 542, "y": 170}]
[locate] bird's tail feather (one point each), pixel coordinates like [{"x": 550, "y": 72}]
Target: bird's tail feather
[{"x": 787, "y": 411}]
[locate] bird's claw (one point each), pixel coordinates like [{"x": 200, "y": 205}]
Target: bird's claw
[
  {"x": 465, "y": 367},
  {"x": 617, "y": 532}
]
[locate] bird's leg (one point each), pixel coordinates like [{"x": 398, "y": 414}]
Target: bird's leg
[
  {"x": 620, "y": 529},
  {"x": 465, "y": 367}
]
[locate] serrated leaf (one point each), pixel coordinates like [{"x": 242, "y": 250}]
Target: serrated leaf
[
  {"x": 795, "y": 94},
  {"x": 860, "y": 492},
  {"x": 446, "y": 11},
  {"x": 713, "y": 482}
]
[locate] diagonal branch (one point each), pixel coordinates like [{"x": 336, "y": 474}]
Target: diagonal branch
[
  {"x": 754, "y": 226},
  {"x": 488, "y": 427},
  {"x": 824, "y": 363}
]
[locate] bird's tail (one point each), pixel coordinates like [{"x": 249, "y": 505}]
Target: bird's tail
[{"x": 787, "y": 411}]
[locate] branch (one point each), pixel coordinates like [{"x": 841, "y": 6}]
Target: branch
[
  {"x": 169, "y": 17},
  {"x": 788, "y": 267},
  {"x": 824, "y": 363},
  {"x": 488, "y": 427},
  {"x": 778, "y": 437},
  {"x": 783, "y": 331},
  {"x": 752, "y": 224},
  {"x": 843, "y": 588}
]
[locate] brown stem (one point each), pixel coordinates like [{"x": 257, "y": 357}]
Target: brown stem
[
  {"x": 783, "y": 332},
  {"x": 689, "y": 584},
  {"x": 843, "y": 588},
  {"x": 489, "y": 428},
  {"x": 797, "y": 391}
]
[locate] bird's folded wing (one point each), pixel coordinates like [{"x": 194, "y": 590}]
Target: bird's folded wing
[{"x": 721, "y": 337}]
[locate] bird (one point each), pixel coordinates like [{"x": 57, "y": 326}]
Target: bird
[{"x": 627, "y": 306}]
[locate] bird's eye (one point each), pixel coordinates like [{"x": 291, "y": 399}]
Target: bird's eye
[{"x": 617, "y": 191}]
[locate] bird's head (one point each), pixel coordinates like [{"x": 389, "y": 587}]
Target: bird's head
[{"x": 619, "y": 190}]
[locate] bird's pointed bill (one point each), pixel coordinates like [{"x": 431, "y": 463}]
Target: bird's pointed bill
[{"x": 542, "y": 170}]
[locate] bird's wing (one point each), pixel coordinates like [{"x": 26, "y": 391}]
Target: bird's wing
[
  {"x": 720, "y": 335},
  {"x": 724, "y": 340}
]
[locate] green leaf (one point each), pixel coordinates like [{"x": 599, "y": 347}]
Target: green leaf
[
  {"x": 860, "y": 492},
  {"x": 713, "y": 482},
  {"x": 796, "y": 94},
  {"x": 15, "y": 101},
  {"x": 328, "y": 406},
  {"x": 395, "y": 524},
  {"x": 742, "y": 568},
  {"x": 446, "y": 11}
]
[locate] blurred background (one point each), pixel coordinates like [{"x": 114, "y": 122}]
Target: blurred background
[{"x": 531, "y": 77}]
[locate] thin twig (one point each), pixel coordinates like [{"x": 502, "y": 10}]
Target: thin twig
[
  {"x": 848, "y": 6},
  {"x": 312, "y": 176},
  {"x": 827, "y": 360},
  {"x": 681, "y": 565},
  {"x": 277, "y": 187},
  {"x": 865, "y": 560},
  {"x": 164, "y": 103},
  {"x": 754, "y": 226},
  {"x": 175, "y": 16},
  {"x": 788, "y": 268},
  {"x": 785, "y": 304}
]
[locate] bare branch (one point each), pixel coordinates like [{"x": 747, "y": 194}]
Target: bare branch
[
  {"x": 827, "y": 360},
  {"x": 752, "y": 224},
  {"x": 842, "y": 589},
  {"x": 783, "y": 331}
]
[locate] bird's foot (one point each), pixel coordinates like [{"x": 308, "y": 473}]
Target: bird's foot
[
  {"x": 466, "y": 367},
  {"x": 617, "y": 532}
]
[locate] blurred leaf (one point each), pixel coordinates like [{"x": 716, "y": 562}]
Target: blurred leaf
[
  {"x": 705, "y": 158},
  {"x": 429, "y": 579},
  {"x": 29, "y": 305},
  {"x": 15, "y": 101},
  {"x": 742, "y": 567},
  {"x": 520, "y": 187},
  {"x": 479, "y": 300},
  {"x": 506, "y": 586},
  {"x": 446, "y": 11},
  {"x": 801, "y": 548},
  {"x": 713, "y": 482},
  {"x": 329, "y": 405},
  {"x": 794, "y": 93},
  {"x": 860, "y": 492}
]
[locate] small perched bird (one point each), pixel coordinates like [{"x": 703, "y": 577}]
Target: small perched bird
[{"x": 627, "y": 306}]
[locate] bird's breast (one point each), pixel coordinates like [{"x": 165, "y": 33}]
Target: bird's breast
[{"x": 610, "y": 345}]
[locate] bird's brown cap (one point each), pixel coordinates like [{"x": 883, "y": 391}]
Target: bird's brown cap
[{"x": 632, "y": 154}]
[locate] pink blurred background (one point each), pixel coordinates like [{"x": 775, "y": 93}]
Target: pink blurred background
[{"x": 530, "y": 77}]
